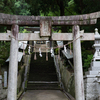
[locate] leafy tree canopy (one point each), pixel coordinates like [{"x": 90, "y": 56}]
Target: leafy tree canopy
[
  {"x": 22, "y": 8},
  {"x": 7, "y": 6},
  {"x": 57, "y": 7},
  {"x": 86, "y": 6}
]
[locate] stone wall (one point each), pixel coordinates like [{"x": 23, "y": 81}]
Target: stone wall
[
  {"x": 21, "y": 79},
  {"x": 67, "y": 77},
  {"x": 3, "y": 92},
  {"x": 22, "y": 75}
]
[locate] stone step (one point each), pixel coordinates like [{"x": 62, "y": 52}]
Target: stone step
[
  {"x": 42, "y": 82},
  {"x": 42, "y": 66},
  {"x": 95, "y": 68},
  {"x": 95, "y": 64},
  {"x": 43, "y": 85},
  {"x": 91, "y": 73},
  {"x": 90, "y": 80},
  {"x": 89, "y": 76},
  {"x": 43, "y": 70},
  {"x": 42, "y": 77}
]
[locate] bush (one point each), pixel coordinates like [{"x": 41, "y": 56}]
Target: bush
[{"x": 87, "y": 62}]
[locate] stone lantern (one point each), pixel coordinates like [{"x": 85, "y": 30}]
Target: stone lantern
[
  {"x": 96, "y": 59},
  {"x": 96, "y": 56}
]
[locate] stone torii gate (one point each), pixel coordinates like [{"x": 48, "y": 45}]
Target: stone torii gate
[{"x": 45, "y": 33}]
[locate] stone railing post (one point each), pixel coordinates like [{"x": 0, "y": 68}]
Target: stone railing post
[
  {"x": 0, "y": 81},
  {"x": 5, "y": 79}
]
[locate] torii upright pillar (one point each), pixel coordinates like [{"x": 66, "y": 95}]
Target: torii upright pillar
[
  {"x": 78, "y": 71},
  {"x": 13, "y": 64}
]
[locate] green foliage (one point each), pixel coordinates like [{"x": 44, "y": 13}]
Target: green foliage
[
  {"x": 25, "y": 31},
  {"x": 7, "y": 6},
  {"x": 22, "y": 8},
  {"x": 18, "y": 7},
  {"x": 86, "y": 6},
  {"x": 50, "y": 7},
  {"x": 87, "y": 62},
  {"x": 69, "y": 10},
  {"x": 56, "y": 51},
  {"x": 4, "y": 51},
  {"x": 87, "y": 54}
]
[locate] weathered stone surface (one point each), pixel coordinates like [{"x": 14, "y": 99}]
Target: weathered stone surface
[
  {"x": 91, "y": 73},
  {"x": 44, "y": 95},
  {"x": 5, "y": 79},
  {"x": 78, "y": 71},
  {"x": 6, "y": 19},
  {"x": 67, "y": 79},
  {"x": 90, "y": 96},
  {"x": 89, "y": 80},
  {"x": 96, "y": 64},
  {"x": 95, "y": 68},
  {"x": 3, "y": 93},
  {"x": 91, "y": 91},
  {"x": 45, "y": 27},
  {"x": 13, "y": 65}
]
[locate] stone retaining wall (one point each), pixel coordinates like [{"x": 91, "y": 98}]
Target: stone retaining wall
[
  {"x": 21, "y": 79},
  {"x": 67, "y": 77}
]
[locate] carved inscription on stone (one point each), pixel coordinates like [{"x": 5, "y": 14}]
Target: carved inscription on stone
[{"x": 45, "y": 27}]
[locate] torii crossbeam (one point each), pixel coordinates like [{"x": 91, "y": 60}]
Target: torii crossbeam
[{"x": 86, "y": 19}]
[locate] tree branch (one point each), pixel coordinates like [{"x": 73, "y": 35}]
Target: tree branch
[{"x": 69, "y": 11}]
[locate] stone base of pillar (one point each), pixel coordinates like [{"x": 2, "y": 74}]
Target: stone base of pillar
[{"x": 90, "y": 81}]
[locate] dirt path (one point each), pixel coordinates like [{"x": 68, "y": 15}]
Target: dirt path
[{"x": 44, "y": 95}]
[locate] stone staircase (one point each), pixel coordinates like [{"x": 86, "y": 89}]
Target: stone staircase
[{"x": 42, "y": 74}]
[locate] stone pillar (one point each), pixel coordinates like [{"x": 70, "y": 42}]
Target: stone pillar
[
  {"x": 0, "y": 81},
  {"x": 26, "y": 61},
  {"x": 0, "y": 85},
  {"x": 5, "y": 79},
  {"x": 78, "y": 71},
  {"x": 13, "y": 65}
]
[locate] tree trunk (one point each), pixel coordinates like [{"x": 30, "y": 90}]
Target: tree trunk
[
  {"x": 61, "y": 6},
  {"x": 62, "y": 13}
]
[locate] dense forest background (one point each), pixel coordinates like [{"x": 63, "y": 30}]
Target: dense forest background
[{"x": 51, "y": 8}]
